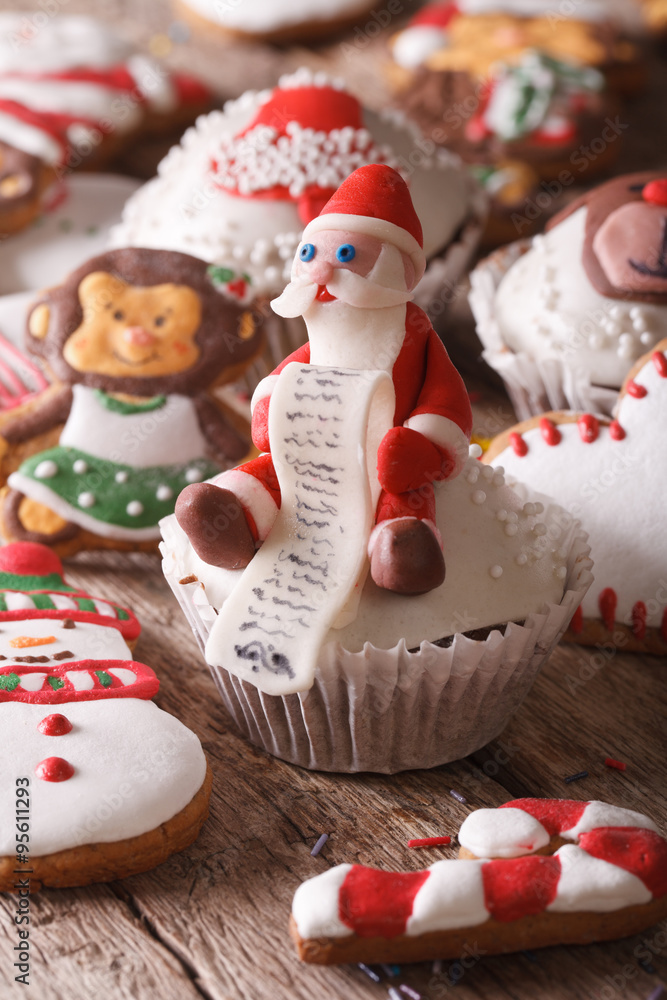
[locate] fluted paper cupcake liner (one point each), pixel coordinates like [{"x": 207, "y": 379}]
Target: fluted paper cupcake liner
[
  {"x": 393, "y": 710},
  {"x": 534, "y": 386}
]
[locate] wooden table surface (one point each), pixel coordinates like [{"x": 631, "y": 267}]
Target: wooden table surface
[{"x": 212, "y": 921}]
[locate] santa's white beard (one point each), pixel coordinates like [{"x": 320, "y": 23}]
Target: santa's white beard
[{"x": 346, "y": 336}]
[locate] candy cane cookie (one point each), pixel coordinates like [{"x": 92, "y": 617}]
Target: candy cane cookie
[{"x": 532, "y": 873}]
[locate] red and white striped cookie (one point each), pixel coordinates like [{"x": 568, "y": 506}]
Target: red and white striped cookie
[{"x": 606, "y": 880}]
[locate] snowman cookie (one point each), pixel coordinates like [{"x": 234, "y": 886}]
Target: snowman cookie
[
  {"x": 96, "y": 782},
  {"x": 135, "y": 339},
  {"x": 72, "y": 93},
  {"x": 608, "y": 474}
]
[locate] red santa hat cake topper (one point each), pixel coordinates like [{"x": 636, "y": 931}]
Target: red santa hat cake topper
[{"x": 375, "y": 200}]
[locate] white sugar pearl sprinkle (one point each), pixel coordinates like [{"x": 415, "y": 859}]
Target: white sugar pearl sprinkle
[
  {"x": 121, "y": 477},
  {"x": 475, "y": 450},
  {"x": 529, "y": 509},
  {"x": 86, "y": 499},
  {"x": 135, "y": 508},
  {"x": 561, "y": 572},
  {"x": 511, "y": 529},
  {"x": 479, "y": 496},
  {"x": 496, "y": 572},
  {"x": 193, "y": 476},
  {"x": 164, "y": 493},
  {"x": 487, "y": 471},
  {"x": 46, "y": 469},
  {"x": 501, "y": 514},
  {"x": 540, "y": 529},
  {"x": 472, "y": 476},
  {"x": 521, "y": 559},
  {"x": 80, "y": 466}
]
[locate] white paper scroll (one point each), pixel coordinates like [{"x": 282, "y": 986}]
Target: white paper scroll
[{"x": 325, "y": 425}]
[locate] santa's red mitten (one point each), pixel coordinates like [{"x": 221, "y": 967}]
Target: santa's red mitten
[
  {"x": 407, "y": 460},
  {"x": 260, "y": 424}
]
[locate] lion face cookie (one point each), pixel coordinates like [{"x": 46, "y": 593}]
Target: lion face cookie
[
  {"x": 608, "y": 474},
  {"x": 134, "y": 338},
  {"x": 113, "y": 784}
]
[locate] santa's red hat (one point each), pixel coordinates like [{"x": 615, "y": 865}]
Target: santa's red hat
[{"x": 375, "y": 200}]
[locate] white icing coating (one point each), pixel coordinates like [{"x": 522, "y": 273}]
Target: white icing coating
[
  {"x": 135, "y": 768},
  {"x": 469, "y": 598},
  {"x": 546, "y": 306},
  {"x": 265, "y": 16},
  {"x": 315, "y": 904},
  {"x": 597, "y": 814},
  {"x": 502, "y": 833},
  {"x": 40, "y": 43},
  {"x": 616, "y": 489},
  {"x": 452, "y": 896},
  {"x": 591, "y": 884},
  {"x": 86, "y": 640},
  {"x": 168, "y": 435},
  {"x": 412, "y": 47},
  {"x": 183, "y": 208},
  {"x": 16, "y": 601},
  {"x": 81, "y": 680}
]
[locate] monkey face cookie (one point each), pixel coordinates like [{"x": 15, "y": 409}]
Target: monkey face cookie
[
  {"x": 113, "y": 785},
  {"x": 73, "y": 93},
  {"x": 608, "y": 474},
  {"x": 532, "y": 873},
  {"x": 134, "y": 338}
]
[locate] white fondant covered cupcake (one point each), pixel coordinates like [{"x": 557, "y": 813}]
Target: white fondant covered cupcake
[
  {"x": 563, "y": 318},
  {"x": 244, "y": 182},
  {"x": 368, "y": 597}
]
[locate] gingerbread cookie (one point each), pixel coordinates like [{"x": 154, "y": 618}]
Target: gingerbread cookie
[
  {"x": 268, "y": 21},
  {"x": 72, "y": 94},
  {"x": 134, "y": 339},
  {"x": 608, "y": 474},
  {"x": 108, "y": 785},
  {"x": 532, "y": 873}
]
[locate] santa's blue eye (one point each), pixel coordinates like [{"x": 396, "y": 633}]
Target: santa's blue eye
[
  {"x": 307, "y": 252},
  {"x": 345, "y": 253}
]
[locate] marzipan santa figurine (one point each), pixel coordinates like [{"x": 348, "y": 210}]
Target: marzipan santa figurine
[{"x": 352, "y": 279}]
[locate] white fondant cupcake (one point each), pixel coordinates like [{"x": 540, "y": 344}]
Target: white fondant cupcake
[
  {"x": 244, "y": 181},
  {"x": 367, "y": 596},
  {"x": 564, "y": 318}
]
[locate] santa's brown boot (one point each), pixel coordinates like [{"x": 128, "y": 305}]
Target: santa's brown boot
[
  {"x": 214, "y": 521},
  {"x": 406, "y": 558}
]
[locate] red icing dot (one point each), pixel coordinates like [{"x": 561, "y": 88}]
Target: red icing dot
[
  {"x": 655, "y": 192},
  {"x": 639, "y": 620},
  {"x": 519, "y": 446},
  {"x": 29, "y": 559},
  {"x": 660, "y": 362},
  {"x": 642, "y": 852},
  {"x": 378, "y": 904},
  {"x": 55, "y": 725},
  {"x": 607, "y": 604},
  {"x": 635, "y": 390},
  {"x": 589, "y": 428},
  {"x": 616, "y": 432},
  {"x": 550, "y": 432},
  {"x": 555, "y": 815},
  {"x": 577, "y": 623},
  {"x": 519, "y": 887},
  {"x": 54, "y": 769}
]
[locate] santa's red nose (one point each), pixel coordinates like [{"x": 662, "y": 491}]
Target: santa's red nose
[
  {"x": 655, "y": 192},
  {"x": 137, "y": 336}
]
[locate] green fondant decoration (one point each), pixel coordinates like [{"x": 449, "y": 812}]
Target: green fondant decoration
[
  {"x": 220, "y": 275},
  {"x": 85, "y": 604},
  {"x": 8, "y": 682},
  {"x": 112, "y": 497},
  {"x": 105, "y": 679},
  {"x": 127, "y": 409},
  {"x": 121, "y": 614},
  {"x": 56, "y": 682},
  {"x": 52, "y": 582}
]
